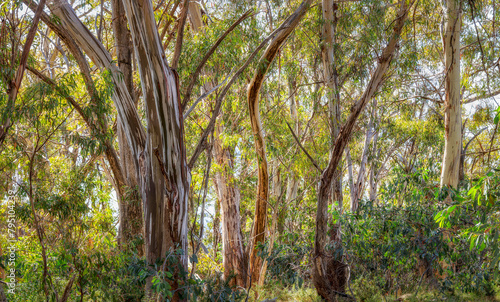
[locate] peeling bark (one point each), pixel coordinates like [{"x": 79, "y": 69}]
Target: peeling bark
[
  {"x": 159, "y": 155},
  {"x": 73, "y": 27},
  {"x": 165, "y": 177},
  {"x": 130, "y": 205}
]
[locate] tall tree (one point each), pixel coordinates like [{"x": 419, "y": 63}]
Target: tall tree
[
  {"x": 260, "y": 218},
  {"x": 131, "y": 219},
  {"x": 158, "y": 153},
  {"x": 234, "y": 257},
  {"x": 452, "y": 111},
  {"x": 331, "y": 78},
  {"x": 330, "y": 274}
]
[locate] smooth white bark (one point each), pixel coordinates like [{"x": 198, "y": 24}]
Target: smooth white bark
[{"x": 452, "y": 111}]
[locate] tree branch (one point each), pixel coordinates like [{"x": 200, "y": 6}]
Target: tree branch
[
  {"x": 15, "y": 84},
  {"x": 202, "y": 142},
  {"x": 203, "y": 96},
  {"x": 303, "y": 149},
  {"x": 180, "y": 34},
  {"x": 196, "y": 73}
]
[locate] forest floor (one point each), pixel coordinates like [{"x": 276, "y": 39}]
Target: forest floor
[{"x": 308, "y": 294}]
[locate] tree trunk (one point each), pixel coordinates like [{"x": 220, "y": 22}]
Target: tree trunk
[
  {"x": 98, "y": 127},
  {"x": 292, "y": 181},
  {"x": 159, "y": 158},
  {"x": 130, "y": 206},
  {"x": 452, "y": 110},
  {"x": 258, "y": 132},
  {"x": 330, "y": 73},
  {"x": 165, "y": 198},
  {"x": 350, "y": 173},
  {"x": 216, "y": 224},
  {"x": 234, "y": 257},
  {"x": 330, "y": 275},
  {"x": 373, "y": 179},
  {"x": 359, "y": 185}
]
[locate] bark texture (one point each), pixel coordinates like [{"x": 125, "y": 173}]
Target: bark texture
[
  {"x": 130, "y": 205},
  {"x": 329, "y": 274},
  {"x": 165, "y": 198},
  {"x": 260, "y": 218},
  {"x": 452, "y": 111},
  {"x": 158, "y": 154},
  {"x": 234, "y": 257}
]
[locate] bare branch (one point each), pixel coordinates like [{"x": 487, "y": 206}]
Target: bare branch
[
  {"x": 303, "y": 149},
  {"x": 481, "y": 97},
  {"x": 204, "y": 96}
]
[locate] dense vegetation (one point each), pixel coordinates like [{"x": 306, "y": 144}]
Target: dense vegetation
[{"x": 249, "y": 150}]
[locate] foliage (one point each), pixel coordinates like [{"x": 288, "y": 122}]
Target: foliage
[{"x": 408, "y": 236}]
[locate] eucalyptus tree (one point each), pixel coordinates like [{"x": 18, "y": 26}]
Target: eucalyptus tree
[
  {"x": 331, "y": 64},
  {"x": 11, "y": 79},
  {"x": 329, "y": 274},
  {"x": 265, "y": 61},
  {"x": 158, "y": 152},
  {"x": 453, "y": 110}
]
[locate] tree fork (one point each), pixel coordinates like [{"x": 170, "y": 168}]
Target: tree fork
[{"x": 329, "y": 274}]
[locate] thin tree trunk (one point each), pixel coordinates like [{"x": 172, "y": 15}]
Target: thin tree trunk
[
  {"x": 373, "y": 179},
  {"x": 330, "y": 73},
  {"x": 350, "y": 173},
  {"x": 234, "y": 256},
  {"x": 452, "y": 110},
  {"x": 253, "y": 104},
  {"x": 15, "y": 84},
  {"x": 292, "y": 179},
  {"x": 276, "y": 193},
  {"x": 330, "y": 275},
  {"x": 359, "y": 185},
  {"x": 216, "y": 224}
]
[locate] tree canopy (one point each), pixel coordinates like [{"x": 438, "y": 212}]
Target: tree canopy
[{"x": 179, "y": 150}]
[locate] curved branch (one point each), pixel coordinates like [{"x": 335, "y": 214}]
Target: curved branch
[{"x": 218, "y": 103}]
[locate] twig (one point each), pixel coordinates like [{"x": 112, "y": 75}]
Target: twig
[{"x": 204, "y": 96}]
